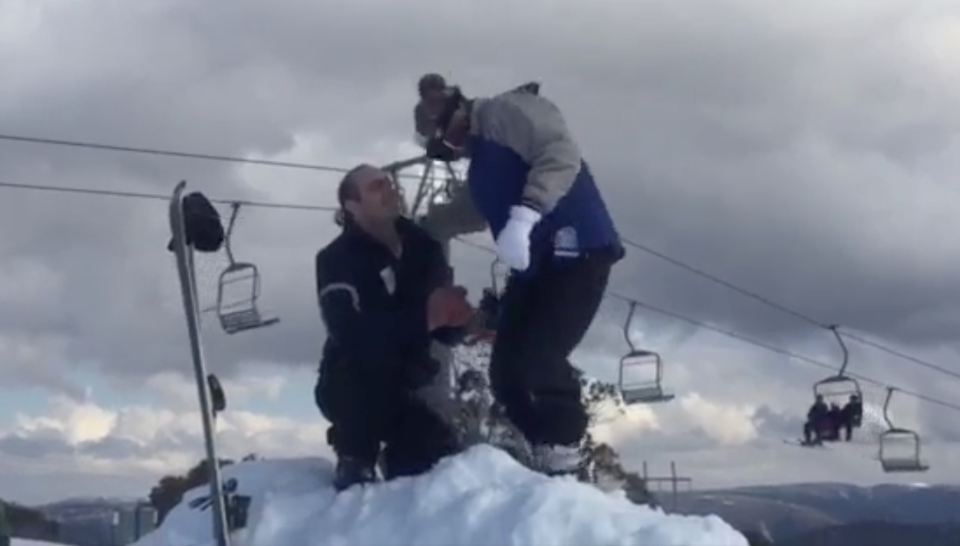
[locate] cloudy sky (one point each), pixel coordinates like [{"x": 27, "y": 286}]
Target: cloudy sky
[{"x": 806, "y": 151}]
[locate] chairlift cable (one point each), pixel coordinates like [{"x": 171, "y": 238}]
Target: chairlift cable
[
  {"x": 157, "y": 196},
  {"x": 783, "y": 308},
  {"x": 179, "y": 153},
  {"x": 694, "y": 322},
  {"x": 780, "y": 350},
  {"x": 746, "y": 339},
  {"x": 334, "y": 169}
]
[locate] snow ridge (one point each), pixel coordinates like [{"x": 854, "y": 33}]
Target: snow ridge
[{"x": 477, "y": 498}]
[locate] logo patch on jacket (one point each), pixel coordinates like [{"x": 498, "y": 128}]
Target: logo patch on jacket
[
  {"x": 566, "y": 243},
  {"x": 389, "y": 280}
]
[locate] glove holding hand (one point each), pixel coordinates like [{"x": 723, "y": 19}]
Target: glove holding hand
[{"x": 513, "y": 243}]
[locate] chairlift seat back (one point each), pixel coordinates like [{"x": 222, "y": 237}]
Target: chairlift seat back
[
  {"x": 835, "y": 386},
  {"x": 638, "y": 354},
  {"x": 235, "y": 269},
  {"x": 238, "y": 273}
]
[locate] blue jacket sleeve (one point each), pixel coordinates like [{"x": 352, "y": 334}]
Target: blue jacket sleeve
[{"x": 358, "y": 330}]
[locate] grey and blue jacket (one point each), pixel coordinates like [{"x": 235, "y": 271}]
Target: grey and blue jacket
[{"x": 521, "y": 153}]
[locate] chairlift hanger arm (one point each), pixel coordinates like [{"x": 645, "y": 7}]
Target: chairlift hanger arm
[
  {"x": 227, "y": 244},
  {"x": 627, "y": 324},
  {"x": 886, "y": 409},
  {"x": 843, "y": 349}
]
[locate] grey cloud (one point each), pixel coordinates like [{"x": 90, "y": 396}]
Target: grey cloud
[
  {"x": 772, "y": 424},
  {"x": 34, "y": 445},
  {"x": 790, "y": 153}
]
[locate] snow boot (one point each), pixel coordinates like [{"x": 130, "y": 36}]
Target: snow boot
[
  {"x": 351, "y": 471},
  {"x": 555, "y": 460}
]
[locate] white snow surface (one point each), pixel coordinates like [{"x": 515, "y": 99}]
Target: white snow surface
[
  {"x": 28, "y": 542},
  {"x": 479, "y": 497}
]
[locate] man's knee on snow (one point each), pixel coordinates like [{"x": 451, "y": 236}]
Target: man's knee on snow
[{"x": 419, "y": 441}]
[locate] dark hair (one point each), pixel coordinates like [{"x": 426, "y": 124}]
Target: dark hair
[
  {"x": 430, "y": 82},
  {"x": 347, "y": 191}
]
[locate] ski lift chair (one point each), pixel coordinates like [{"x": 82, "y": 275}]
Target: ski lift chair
[
  {"x": 840, "y": 384},
  {"x": 241, "y": 313},
  {"x": 640, "y": 392},
  {"x": 906, "y": 462}
]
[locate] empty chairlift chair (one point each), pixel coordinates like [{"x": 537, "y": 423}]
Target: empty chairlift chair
[
  {"x": 238, "y": 290},
  {"x": 892, "y": 457},
  {"x": 647, "y": 364}
]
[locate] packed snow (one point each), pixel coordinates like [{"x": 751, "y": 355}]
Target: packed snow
[{"x": 479, "y": 497}]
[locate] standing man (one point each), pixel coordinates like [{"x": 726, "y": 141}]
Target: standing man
[
  {"x": 385, "y": 295},
  {"x": 552, "y": 228}
]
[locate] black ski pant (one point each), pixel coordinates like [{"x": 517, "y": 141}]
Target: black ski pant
[
  {"x": 370, "y": 410},
  {"x": 543, "y": 317}
]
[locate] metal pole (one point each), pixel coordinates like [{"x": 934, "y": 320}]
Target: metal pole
[
  {"x": 188, "y": 290},
  {"x": 673, "y": 482}
]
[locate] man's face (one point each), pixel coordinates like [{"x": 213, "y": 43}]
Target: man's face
[{"x": 379, "y": 200}]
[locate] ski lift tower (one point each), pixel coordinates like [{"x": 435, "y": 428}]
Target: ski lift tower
[
  {"x": 438, "y": 182},
  {"x": 674, "y": 480}
]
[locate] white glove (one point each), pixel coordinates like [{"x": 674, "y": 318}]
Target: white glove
[{"x": 513, "y": 243}]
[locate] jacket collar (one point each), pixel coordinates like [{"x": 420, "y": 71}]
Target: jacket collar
[{"x": 353, "y": 231}]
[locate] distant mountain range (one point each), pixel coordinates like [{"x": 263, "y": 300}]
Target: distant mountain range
[
  {"x": 827, "y": 514},
  {"x": 813, "y": 514}
]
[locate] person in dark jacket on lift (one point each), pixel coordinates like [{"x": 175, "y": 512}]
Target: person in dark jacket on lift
[{"x": 385, "y": 294}]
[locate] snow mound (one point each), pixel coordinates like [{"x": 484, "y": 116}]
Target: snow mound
[{"x": 480, "y": 497}]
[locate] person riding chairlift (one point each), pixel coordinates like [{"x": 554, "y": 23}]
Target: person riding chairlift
[{"x": 824, "y": 423}]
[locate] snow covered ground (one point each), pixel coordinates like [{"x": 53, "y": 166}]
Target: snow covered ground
[
  {"x": 480, "y": 497},
  {"x": 26, "y": 542}
]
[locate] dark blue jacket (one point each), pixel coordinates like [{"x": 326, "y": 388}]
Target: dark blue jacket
[
  {"x": 374, "y": 304},
  {"x": 521, "y": 153}
]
